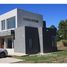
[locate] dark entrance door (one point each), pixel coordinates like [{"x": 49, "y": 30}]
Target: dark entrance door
[
  {"x": 1, "y": 43},
  {"x": 32, "y": 40}
]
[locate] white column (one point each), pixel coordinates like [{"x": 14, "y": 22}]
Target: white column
[
  {"x": 41, "y": 39},
  {"x": 12, "y": 43}
]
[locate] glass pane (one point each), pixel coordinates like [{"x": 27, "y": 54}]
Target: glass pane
[
  {"x": 11, "y": 23},
  {"x": 3, "y": 25},
  {"x": 9, "y": 43}
]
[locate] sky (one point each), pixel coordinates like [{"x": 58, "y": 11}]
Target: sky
[{"x": 52, "y": 13}]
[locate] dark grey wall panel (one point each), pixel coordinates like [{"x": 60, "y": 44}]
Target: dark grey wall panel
[
  {"x": 32, "y": 40},
  {"x": 49, "y": 40}
]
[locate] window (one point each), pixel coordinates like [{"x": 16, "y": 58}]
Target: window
[
  {"x": 9, "y": 43},
  {"x": 11, "y": 22},
  {"x": 32, "y": 20},
  {"x": 3, "y": 25}
]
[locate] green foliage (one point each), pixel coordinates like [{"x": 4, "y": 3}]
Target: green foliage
[
  {"x": 62, "y": 30},
  {"x": 52, "y": 27},
  {"x": 54, "y": 57},
  {"x": 60, "y": 35}
]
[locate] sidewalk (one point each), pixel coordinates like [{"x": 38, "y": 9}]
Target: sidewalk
[{"x": 10, "y": 60}]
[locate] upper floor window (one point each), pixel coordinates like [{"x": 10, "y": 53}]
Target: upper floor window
[
  {"x": 11, "y": 22},
  {"x": 3, "y": 25},
  {"x": 31, "y": 20}
]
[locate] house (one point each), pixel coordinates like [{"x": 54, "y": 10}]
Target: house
[{"x": 21, "y": 32}]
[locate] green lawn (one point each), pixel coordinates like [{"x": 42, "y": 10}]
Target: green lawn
[{"x": 54, "y": 57}]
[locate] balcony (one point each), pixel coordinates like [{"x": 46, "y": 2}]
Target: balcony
[{"x": 7, "y": 33}]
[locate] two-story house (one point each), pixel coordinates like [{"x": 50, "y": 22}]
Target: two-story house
[{"x": 21, "y": 32}]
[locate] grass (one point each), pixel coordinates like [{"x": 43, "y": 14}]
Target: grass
[{"x": 54, "y": 57}]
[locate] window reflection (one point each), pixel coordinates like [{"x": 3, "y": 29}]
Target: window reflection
[
  {"x": 3, "y": 25},
  {"x": 11, "y": 23}
]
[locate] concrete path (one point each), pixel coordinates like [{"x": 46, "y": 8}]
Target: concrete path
[{"x": 10, "y": 60}]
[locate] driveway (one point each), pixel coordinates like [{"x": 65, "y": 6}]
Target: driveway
[{"x": 10, "y": 60}]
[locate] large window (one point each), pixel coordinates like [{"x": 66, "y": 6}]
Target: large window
[
  {"x": 11, "y": 22},
  {"x": 3, "y": 25}
]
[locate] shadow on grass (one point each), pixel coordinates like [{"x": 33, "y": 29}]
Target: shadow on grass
[{"x": 9, "y": 56}]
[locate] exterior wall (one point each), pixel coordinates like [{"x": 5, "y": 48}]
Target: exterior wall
[
  {"x": 20, "y": 14},
  {"x": 8, "y": 15},
  {"x": 5, "y": 43},
  {"x": 25, "y": 14},
  {"x": 19, "y": 43}
]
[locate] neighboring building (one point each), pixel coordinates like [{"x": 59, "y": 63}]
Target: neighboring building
[
  {"x": 21, "y": 32},
  {"x": 49, "y": 40}
]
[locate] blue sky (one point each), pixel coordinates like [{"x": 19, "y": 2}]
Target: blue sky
[{"x": 52, "y": 13}]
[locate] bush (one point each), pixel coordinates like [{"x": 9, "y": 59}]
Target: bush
[{"x": 64, "y": 42}]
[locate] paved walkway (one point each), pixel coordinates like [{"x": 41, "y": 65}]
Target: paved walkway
[{"x": 10, "y": 60}]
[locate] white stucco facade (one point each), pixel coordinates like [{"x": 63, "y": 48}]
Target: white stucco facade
[{"x": 22, "y": 18}]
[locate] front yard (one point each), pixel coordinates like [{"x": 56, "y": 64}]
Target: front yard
[{"x": 53, "y": 57}]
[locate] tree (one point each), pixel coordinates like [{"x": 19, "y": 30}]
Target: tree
[
  {"x": 53, "y": 27},
  {"x": 62, "y": 29}
]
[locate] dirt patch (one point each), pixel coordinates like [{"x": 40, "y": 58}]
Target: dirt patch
[{"x": 61, "y": 46}]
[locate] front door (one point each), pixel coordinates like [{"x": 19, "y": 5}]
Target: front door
[
  {"x": 1, "y": 43},
  {"x": 9, "y": 43},
  {"x": 32, "y": 40}
]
